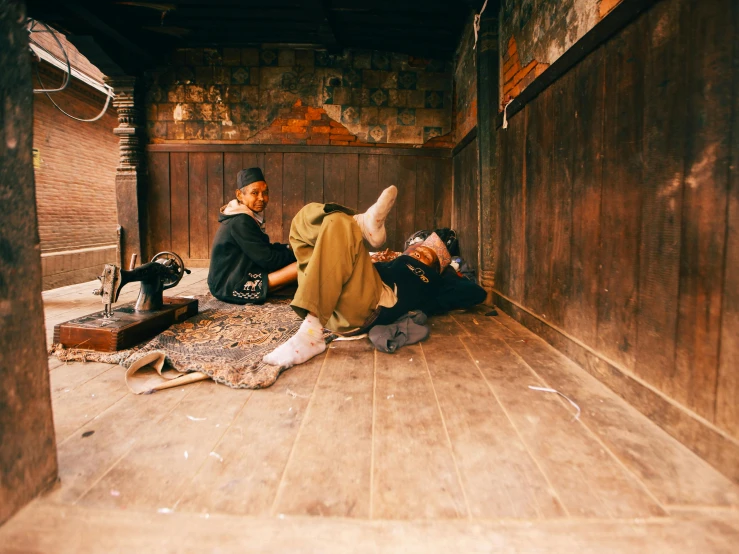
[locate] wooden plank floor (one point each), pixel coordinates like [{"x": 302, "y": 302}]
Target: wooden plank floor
[{"x": 440, "y": 447}]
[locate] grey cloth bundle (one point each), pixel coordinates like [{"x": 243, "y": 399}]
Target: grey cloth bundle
[{"x": 409, "y": 329}]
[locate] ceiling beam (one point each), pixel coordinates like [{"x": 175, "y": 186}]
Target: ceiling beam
[
  {"x": 318, "y": 12},
  {"x": 113, "y": 34}
]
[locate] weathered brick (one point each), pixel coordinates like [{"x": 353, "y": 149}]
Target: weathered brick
[
  {"x": 176, "y": 93},
  {"x": 194, "y": 130},
  {"x": 291, "y": 140},
  {"x": 339, "y": 143},
  {"x": 175, "y": 130},
  {"x": 292, "y": 129},
  {"x": 212, "y": 131},
  {"x": 165, "y": 112},
  {"x": 297, "y": 123},
  {"x": 194, "y": 93},
  {"x": 320, "y": 129},
  {"x": 318, "y": 140}
]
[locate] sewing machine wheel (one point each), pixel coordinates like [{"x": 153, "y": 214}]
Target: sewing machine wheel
[{"x": 171, "y": 260}]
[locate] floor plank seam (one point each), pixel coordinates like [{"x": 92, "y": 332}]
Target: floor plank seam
[
  {"x": 372, "y": 443},
  {"x": 187, "y": 393},
  {"x": 101, "y": 412},
  {"x": 280, "y": 486},
  {"x": 212, "y": 449},
  {"x": 446, "y": 434},
  {"x": 552, "y": 489},
  {"x": 588, "y": 430}
]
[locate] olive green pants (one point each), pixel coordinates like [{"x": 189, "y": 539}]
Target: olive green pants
[{"x": 337, "y": 281}]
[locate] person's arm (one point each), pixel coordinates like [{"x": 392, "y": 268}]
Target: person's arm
[{"x": 248, "y": 236}]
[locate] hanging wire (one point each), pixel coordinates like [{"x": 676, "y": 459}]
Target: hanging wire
[
  {"x": 67, "y": 76},
  {"x": 68, "y": 73}
]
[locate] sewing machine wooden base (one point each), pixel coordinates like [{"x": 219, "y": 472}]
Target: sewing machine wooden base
[{"x": 125, "y": 329}]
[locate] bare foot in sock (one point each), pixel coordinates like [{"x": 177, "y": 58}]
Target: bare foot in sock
[
  {"x": 307, "y": 343},
  {"x": 372, "y": 222}
]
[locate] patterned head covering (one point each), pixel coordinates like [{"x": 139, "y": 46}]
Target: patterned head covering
[{"x": 437, "y": 245}]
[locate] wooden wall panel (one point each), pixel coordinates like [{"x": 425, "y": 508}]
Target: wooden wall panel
[
  {"x": 427, "y": 179},
  {"x": 313, "y": 178},
  {"x": 519, "y": 192},
  {"x": 443, "y": 191},
  {"x": 273, "y": 212},
  {"x": 703, "y": 230},
  {"x": 192, "y": 184},
  {"x": 405, "y": 206},
  {"x": 179, "y": 203},
  {"x": 626, "y": 167},
  {"x": 198, "y": 206},
  {"x": 369, "y": 180},
  {"x": 537, "y": 216},
  {"x": 665, "y": 105},
  {"x": 214, "y": 164},
  {"x": 560, "y": 194},
  {"x": 620, "y": 215},
  {"x": 341, "y": 179},
  {"x": 388, "y": 175},
  {"x": 159, "y": 203},
  {"x": 581, "y": 315},
  {"x": 727, "y": 398},
  {"x": 465, "y": 217},
  {"x": 293, "y": 191}
]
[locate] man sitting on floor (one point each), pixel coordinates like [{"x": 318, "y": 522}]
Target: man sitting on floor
[
  {"x": 341, "y": 289},
  {"x": 244, "y": 266}
]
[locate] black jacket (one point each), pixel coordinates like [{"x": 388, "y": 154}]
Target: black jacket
[
  {"x": 242, "y": 258},
  {"x": 421, "y": 288}
]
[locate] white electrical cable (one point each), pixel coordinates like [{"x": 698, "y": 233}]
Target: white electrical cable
[
  {"x": 68, "y": 73},
  {"x": 67, "y": 76}
]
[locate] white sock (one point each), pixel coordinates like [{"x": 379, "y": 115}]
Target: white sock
[
  {"x": 372, "y": 222},
  {"x": 307, "y": 343}
]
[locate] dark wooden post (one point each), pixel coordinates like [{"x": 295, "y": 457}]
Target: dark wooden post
[
  {"x": 130, "y": 171},
  {"x": 27, "y": 446},
  {"x": 487, "y": 102}
]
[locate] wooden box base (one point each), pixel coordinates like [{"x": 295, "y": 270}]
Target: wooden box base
[{"x": 125, "y": 329}]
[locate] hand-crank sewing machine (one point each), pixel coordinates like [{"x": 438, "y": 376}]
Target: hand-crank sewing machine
[{"x": 129, "y": 324}]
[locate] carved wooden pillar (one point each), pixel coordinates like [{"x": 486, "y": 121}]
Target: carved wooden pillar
[
  {"x": 130, "y": 172},
  {"x": 487, "y": 101}
]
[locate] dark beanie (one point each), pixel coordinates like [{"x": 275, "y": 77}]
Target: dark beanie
[{"x": 248, "y": 176}]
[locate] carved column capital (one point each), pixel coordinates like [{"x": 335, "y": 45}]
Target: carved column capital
[
  {"x": 128, "y": 130},
  {"x": 130, "y": 190}
]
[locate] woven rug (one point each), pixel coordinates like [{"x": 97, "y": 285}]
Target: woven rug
[{"x": 224, "y": 342}]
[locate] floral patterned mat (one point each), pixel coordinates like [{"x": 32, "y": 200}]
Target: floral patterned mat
[{"x": 224, "y": 341}]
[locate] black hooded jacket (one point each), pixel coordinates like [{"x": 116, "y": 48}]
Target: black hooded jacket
[{"x": 242, "y": 258}]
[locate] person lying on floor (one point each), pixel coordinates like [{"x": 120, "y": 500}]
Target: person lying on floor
[
  {"x": 339, "y": 287},
  {"x": 244, "y": 265}
]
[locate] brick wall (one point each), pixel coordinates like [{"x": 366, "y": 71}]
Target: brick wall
[
  {"x": 465, "y": 84},
  {"x": 235, "y": 95},
  {"x": 75, "y": 181},
  {"x": 535, "y": 33},
  {"x": 515, "y": 77}
]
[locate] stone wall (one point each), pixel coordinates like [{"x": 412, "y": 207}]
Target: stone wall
[{"x": 231, "y": 94}]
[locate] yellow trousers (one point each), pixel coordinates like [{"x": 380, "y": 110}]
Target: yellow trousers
[{"x": 337, "y": 281}]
